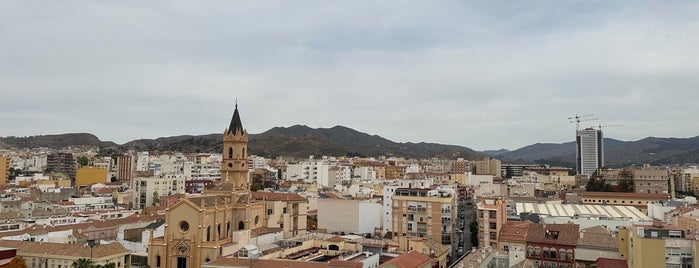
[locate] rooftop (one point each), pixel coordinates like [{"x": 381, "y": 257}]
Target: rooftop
[
  {"x": 567, "y": 210},
  {"x": 558, "y": 234}
]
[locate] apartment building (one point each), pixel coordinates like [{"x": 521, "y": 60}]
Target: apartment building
[
  {"x": 492, "y": 215},
  {"x": 657, "y": 245},
  {"x": 284, "y": 210},
  {"x": 651, "y": 180},
  {"x": 487, "y": 166},
  {"x": 552, "y": 245},
  {"x": 61, "y": 163},
  {"x": 148, "y": 189},
  {"x": 427, "y": 212}
]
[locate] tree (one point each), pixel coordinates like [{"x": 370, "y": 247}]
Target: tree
[
  {"x": 156, "y": 198},
  {"x": 83, "y": 161},
  {"x": 82, "y": 263},
  {"x": 596, "y": 184},
  {"x": 473, "y": 227},
  {"x": 626, "y": 181}
]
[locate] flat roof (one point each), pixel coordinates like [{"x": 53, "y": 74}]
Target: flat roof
[{"x": 570, "y": 210}]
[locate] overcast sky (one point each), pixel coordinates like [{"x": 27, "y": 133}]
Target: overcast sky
[{"x": 481, "y": 74}]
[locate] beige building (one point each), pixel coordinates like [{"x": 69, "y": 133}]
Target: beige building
[
  {"x": 4, "y": 170},
  {"x": 487, "y": 166},
  {"x": 492, "y": 215},
  {"x": 657, "y": 245},
  {"x": 42, "y": 254},
  {"x": 284, "y": 210},
  {"x": 427, "y": 213},
  {"x": 651, "y": 180},
  {"x": 638, "y": 200},
  {"x": 217, "y": 223}
]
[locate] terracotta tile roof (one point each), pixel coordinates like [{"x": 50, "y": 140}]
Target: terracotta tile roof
[
  {"x": 263, "y": 230},
  {"x": 40, "y": 229},
  {"x": 597, "y": 236},
  {"x": 344, "y": 264},
  {"x": 514, "y": 231},
  {"x": 336, "y": 238},
  {"x": 66, "y": 250},
  {"x": 408, "y": 260},
  {"x": 277, "y": 196},
  {"x": 611, "y": 263},
  {"x": 568, "y": 234}
]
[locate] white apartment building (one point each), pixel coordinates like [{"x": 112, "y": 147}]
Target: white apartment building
[
  {"x": 323, "y": 172},
  {"x": 589, "y": 150},
  {"x": 365, "y": 174},
  {"x": 349, "y": 215},
  {"x": 142, "y": 161},
  {"x": 145, "y": 189}
]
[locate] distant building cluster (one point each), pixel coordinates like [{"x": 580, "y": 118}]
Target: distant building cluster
[{"x": 63, "y": 207}]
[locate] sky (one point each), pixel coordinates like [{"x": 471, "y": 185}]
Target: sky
[{"x": 480, "y": 74}]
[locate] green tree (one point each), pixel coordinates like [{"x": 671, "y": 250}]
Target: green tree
[
  {"x": 156, "y": 198},
  {"x": 596, "y": 184},
  {"x": 82, "y": 263},
  {"x": 626, "y": 181},
  {"x": 83, "y": 161},
  {"x": 473, "y": 227}
]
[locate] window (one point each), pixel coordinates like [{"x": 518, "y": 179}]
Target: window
[
  {"x": 208, "y": 233},
  {"x": 230, "y": 152},
  {"x": 270, "y": 211},
  {"x": 157, "y": 261}
]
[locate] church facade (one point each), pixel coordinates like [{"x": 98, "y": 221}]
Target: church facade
[{"x": 217, "y": 223}]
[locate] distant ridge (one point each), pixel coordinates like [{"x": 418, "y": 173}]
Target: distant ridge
[
  {"x": 303, "y": 141},
  {"x": 294, "y": 141}
]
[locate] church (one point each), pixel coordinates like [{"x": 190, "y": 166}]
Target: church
[{"x": 217, "y": 223}]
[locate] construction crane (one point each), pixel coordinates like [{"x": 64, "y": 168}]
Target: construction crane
[
  {"x": 580, "y": 118},
  {"x": 600, "y": 126}
]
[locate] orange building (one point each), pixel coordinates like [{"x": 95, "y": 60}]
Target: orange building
[{"x": 90, "y": 175}]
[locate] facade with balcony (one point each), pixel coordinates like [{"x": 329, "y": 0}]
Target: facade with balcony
[{"x": 429, "y": 212}]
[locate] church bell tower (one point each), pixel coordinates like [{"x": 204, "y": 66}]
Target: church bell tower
[{"x": 234, "y": 164}]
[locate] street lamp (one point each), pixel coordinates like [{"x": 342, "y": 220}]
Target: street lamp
[{"x": 92, "y": 244}]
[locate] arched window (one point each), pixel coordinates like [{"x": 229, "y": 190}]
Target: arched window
[
  {"x": 208, "y": 233},
  {"x": 570, "y": 255},
  {"x": 228, "y": 228},
  {"x": 241, "y": 225},
  {"x": 562, "y": 254},
  {"x": 157, "y": 261},
  {"x": 218, "y": 227},
  {"x": 530, "y": 251},
  {"x": 334, "y": 247},
  {"x": 243, "y": 156},
  {"x": 230, "y": 152},
  {"x": 537, "y": 252}
]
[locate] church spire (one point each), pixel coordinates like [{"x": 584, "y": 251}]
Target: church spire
[{"x": 235, "y": 125}]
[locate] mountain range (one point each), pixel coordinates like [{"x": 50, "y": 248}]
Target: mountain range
[{"x": 302, "y": 141}]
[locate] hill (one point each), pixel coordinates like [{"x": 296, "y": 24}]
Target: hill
[
  {"x": 295, "y": 141},
  {"x": 657, "y": 151}
]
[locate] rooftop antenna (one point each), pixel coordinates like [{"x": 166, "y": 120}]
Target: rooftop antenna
[{"x": 580, "y": 118}]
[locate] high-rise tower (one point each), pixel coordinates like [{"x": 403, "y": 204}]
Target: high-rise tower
[
  {"x": 589, "y": 150},
  {"x": 234, "y": 164}
]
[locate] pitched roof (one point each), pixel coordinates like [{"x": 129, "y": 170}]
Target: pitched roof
[
  {"x": 269, "y": 196},
  {"x": 67, "y": 250},
  {"x": 611, "y": 263},
  {"x": 597, "y": 236},
  {"x": 568, "y": 234},
  {"x": 514, "y": 231},
  {"x": 236, "y": 125},
  {"x": 408, "y": 260}
]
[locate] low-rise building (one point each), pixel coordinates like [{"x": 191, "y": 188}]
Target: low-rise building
[
  {"x": 41, "y": 254},
  {"x": 552, "y": 245},
  {"x": 284, "y": 210}
]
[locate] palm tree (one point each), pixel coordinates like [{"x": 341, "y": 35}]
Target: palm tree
[{"x": 82, "y": 263}]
